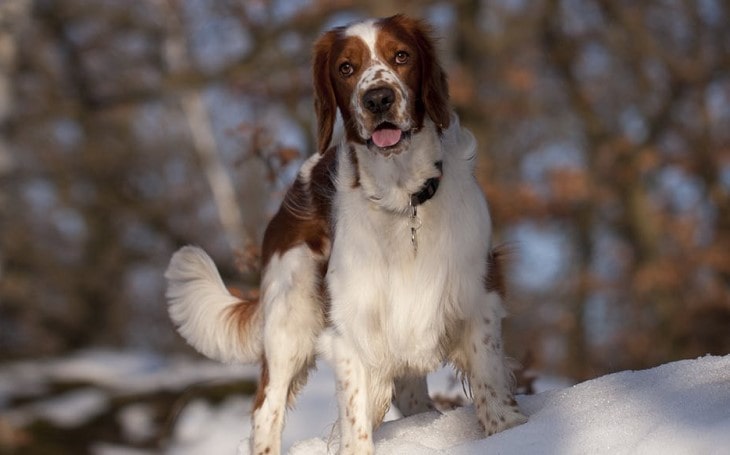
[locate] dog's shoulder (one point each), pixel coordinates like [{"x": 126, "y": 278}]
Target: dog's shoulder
[
  {"x": 305, "y": 212},
  {"x": 321, "y": 180}
]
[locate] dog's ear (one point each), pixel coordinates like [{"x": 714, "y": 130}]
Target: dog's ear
[
  {"x": 434, "y": 85},
  {"x": 325, "y": 105}
]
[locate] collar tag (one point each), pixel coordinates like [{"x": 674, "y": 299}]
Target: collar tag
[
  {"x": 415, "y": 222},
  {"x": 427, "y": 192}
]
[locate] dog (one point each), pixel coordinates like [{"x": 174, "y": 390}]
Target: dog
[{"x": 379, "y": 258}]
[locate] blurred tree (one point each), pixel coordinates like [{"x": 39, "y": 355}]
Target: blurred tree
[{"x": 129, "y": 129}]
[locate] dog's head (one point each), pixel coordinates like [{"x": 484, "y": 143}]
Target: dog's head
[{"x": 384, "y": 77}]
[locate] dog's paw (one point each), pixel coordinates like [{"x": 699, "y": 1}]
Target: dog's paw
[{"x": 501, "y": 417}]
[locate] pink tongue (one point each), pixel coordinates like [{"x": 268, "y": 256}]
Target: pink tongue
[{"x": 386, "y": 137}]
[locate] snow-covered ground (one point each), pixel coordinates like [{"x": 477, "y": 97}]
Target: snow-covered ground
[
  {"x": 678, "y": 408},
  {"x": 681, "y": 407}
]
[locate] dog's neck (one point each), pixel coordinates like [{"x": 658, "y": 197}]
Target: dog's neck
[{"x": 390, "y": 183}]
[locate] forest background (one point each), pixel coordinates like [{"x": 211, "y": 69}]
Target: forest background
[{"x": 129, "y": 129}]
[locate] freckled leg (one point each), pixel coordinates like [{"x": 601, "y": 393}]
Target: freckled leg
[
  {"x": 411, "y": 395},
  {"x": 355, "y": 426},
  {"x": 279, "y": 381},
  {"x": 363, "y": 398},
  {"x": 488, "y": 374},
  {"x": 268, "y": 414},
  {"x": 293, "y": 322}
]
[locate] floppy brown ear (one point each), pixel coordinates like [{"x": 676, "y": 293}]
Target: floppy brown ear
[
  {"x": 434, "y": 85},
  {"x": 325, "y": 106}
]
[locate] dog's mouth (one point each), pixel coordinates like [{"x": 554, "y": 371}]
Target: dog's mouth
[{"x": 388, "y": 138}]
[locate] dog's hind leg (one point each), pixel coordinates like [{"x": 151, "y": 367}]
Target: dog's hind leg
[
  {"x": 277, "y": 387},
  {"x": 411, "y": 395},
  {"x": 293, "y": 320}
]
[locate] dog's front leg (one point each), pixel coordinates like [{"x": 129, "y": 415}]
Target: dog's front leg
[
  {"x": 355, "y": 426},
  {"x": 363, "y": 396},
  {"x": 489, "y": 377}
]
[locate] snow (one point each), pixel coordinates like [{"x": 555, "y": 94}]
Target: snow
[
  {"x": 137, "y": 422},
  {"x": 119, "y": 371},
  {"x": 68, "y": 410},
  {"x": 680, "y": 407},
  {"x": 202, "y": 428},
  {"x": 139, "y": 371}
]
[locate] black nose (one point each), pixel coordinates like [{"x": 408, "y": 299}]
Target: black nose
[{"x": 378, "y": 100}]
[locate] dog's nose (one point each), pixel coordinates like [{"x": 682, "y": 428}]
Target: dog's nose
[{"x": 378, "y": 100}]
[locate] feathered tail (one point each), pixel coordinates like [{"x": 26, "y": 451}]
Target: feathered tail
[{"x": 213, "y": 321}]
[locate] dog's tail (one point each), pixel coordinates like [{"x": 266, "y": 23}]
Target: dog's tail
[{"x": 212, "y": 320}]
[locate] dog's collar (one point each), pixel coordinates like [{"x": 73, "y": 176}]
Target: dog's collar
[{"x": 429, "y": 187}]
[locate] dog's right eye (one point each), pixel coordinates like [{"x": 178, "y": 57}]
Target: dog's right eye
[{"x": 346, "y": 69}]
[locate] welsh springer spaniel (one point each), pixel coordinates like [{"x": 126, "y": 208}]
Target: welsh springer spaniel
[{"x": 379, "y": 258}]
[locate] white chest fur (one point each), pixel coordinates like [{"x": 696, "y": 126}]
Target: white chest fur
[{"x": 396, "y": 305}]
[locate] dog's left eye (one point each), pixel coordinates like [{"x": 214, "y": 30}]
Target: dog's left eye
[
  {"x": 401, "y": 57},
  {"x": 346, "y": 69}
]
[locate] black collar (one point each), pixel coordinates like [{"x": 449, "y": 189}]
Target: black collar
[{"x": 429, "y": 188}]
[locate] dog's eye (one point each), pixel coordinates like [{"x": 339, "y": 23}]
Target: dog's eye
[
  {"x": 346, "y": 69},
  {"x": 401, "y": 57}
]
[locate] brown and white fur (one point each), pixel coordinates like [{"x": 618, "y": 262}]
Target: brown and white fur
[{"x": 344, "y": 274}]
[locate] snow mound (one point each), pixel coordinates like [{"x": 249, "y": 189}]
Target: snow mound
[{"x": 677, "y": 408}]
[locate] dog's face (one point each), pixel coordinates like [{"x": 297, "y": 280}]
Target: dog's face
[{"x": 384, "y": 78}]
